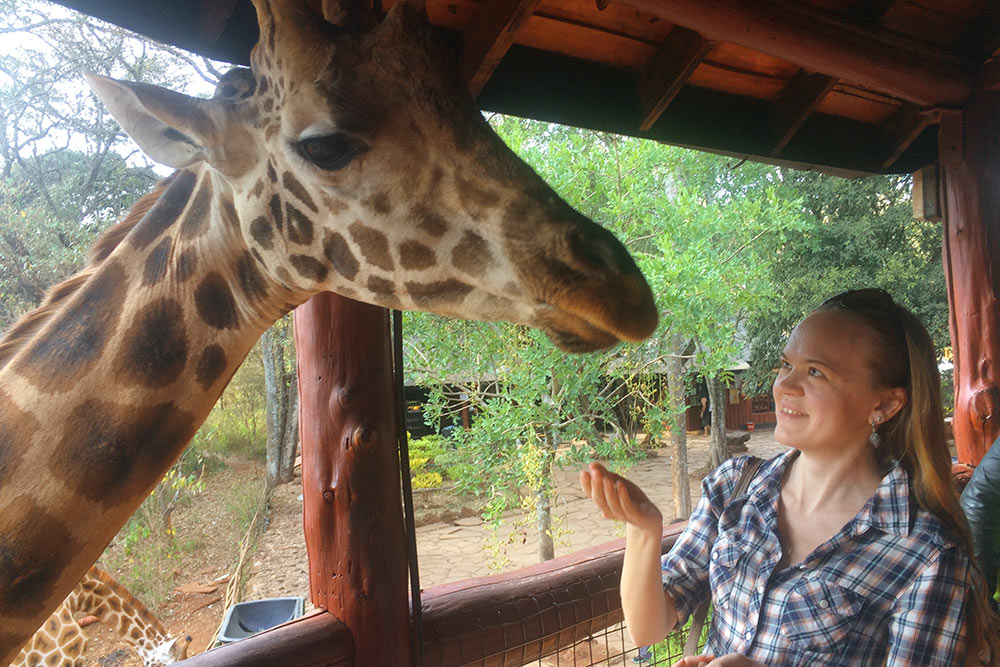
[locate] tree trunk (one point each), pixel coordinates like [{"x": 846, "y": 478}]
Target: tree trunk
[
  {"x": 678, "y": 431},
  {"x": 717, "y": 445},
  {"x": 281, "y": 405},
  {"x": 543, "y": 503}
]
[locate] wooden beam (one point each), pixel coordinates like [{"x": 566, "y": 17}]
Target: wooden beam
[
  {"x": 901, "y": 129},
  {"x": 489, "y": 35},
  {"x": 871, "y": 13},
  {"x": 215, "y": 14},
  {"x": 315, "y": 640},
  {"x": 681, "y": 52},
  {"x": 351, "y": 509},
  {"x": 795, "y": 104},
  {"x": 970, "y": 175},
  {"x": 816, "y": 42}
]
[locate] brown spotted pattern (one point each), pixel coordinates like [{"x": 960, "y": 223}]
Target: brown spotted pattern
[
  {"x": 108, "y": 451},
  {"x": 61, "y": 640},
  {"x": 79, "y": 332},
  {"x": 373, "y": 243},
  {"x": 155, "y": 347}
]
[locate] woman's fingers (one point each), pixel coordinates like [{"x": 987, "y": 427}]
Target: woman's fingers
[{"x": 694, "y": 661}]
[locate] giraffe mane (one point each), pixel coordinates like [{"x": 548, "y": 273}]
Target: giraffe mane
[{"x": 31, "y": 322}]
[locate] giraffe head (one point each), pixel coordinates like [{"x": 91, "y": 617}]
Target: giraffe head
[
  {"x": 359, "y": 164},
  {"x": 167, "y": 652}
]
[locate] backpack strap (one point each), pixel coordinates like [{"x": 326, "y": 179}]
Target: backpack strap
[{"x": 698, "y": 618}]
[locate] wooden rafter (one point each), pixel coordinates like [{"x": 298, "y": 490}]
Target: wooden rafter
[
  {"x": 901, "y": 129},
  {"x": 795, "y": 104},
  {"x": 489, "y": 35},
  {"x": 215, "y": 15},
  {"x": 668, "y": 71},
  {"x": 817, "y": 42},
  {"x": 871, "y": 13}
]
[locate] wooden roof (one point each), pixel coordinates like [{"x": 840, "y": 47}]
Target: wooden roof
[{"x": 843, "y": 85}]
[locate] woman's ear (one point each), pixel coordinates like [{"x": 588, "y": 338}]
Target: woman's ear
[{"x": 892, "y": 401}]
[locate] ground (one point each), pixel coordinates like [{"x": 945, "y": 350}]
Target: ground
[{"x": 452, "y": 542}]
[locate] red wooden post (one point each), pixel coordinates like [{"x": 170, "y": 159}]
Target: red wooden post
[
  {"x": 350, "y": 475},
  {"x": 970, "y": 174}
]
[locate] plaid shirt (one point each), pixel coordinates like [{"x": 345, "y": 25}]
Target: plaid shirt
[{"x": 889, "y": 588}]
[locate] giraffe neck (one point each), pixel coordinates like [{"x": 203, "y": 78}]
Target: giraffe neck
[
  {"x": 104, "y": 396},
  {"x": 99, "y": 594}
]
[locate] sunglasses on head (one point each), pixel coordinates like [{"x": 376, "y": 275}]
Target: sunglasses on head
[{"x": 869, "y": 298}]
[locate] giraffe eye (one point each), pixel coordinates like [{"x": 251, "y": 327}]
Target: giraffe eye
[{"x": 330, "y": 152}]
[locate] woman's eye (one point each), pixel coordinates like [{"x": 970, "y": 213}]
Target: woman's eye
[
  {"x": 330, "y": 152},
  {"x": 784, "y": 364},
  {"x": 815, "y": 372}
]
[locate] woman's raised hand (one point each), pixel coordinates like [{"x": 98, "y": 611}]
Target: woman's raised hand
[{"x": 620, "y": 499}]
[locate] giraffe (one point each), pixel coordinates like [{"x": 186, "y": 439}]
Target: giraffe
[
  {"x": 60, "y": 641},
  {"x": 349, "y": 157}
]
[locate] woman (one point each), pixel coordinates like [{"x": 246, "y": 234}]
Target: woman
[{"x": 849, "y": 549}]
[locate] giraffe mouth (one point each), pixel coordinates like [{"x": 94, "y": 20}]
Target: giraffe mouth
[{"x": 573, "y": 333}]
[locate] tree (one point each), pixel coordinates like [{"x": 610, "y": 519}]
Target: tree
[
  {"x": 281, "y": 401},
  {"x": 858, "y": 233},
  {"x": 66, "y": 171}
]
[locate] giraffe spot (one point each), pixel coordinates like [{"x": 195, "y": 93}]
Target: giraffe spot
[
  {"x": 215, "y": 303},
  {"x": 429, "y": 221},
  {"x": 475, "y": 197},
  {"x": 67, "y": 634},
  {"x": 16, "y": 429},
  {"x": 309, "y": 267},
  {"x": 211, "y": 364},
  {"x": 336, "y": 250},
  {"x": 258, "y": 188},
  {"x": 111, "y": 454},
  {"x": 438, "y": 293},
  {"x": 472, "y": 255},
  {"x": 334, "y": 206},
  {"x": 135, "y": 634},
  {"x": 373, "y": 243},
  {"x": 262, "y": 232},
  {"x": 76, "y": 647},
  {"x": 292, "y": 184},
  {"x": 272, "y": 175},
  {"x": 229, "y": 213},
  {"x": 35, "y": 548},
  {"x": 165, "y": 211},
  {"x": 157, "y": 261},
  {"x": 251, "y": 281},
  {"x": 497, "y": 304},
  {"x": 78, "y": 335},
  {"x": 284, "y": 276},
  {"x": 154, "y": 349},
  {"x": 300, "y": 227},
  {"x": 264, "y": 84},
  {"x": 275, "y": 206},
  {"x": 379, "y": 203},
  {"x": 187, "y": 262},
  {"x": 270, "y": 131},
  {"x": 384, "y": 291},
  {"x": 196, "y": 218},
  {"x": 415, "y": 255},
  {"x": 42, "y": 642}
]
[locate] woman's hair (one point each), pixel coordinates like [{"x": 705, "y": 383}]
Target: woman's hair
[{"x": 903, "y": 355}]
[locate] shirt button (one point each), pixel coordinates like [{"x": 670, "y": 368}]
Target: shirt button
[
  {"x": 715, "y": 556},
  {"x": 749, "y": 635},
  {"x": 823, "y": 604}
]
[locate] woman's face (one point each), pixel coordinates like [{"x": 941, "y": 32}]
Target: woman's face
[{"x": 824, "y": 395}]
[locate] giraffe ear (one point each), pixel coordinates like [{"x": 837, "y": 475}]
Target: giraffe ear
[{"x": 171, "y": 128}]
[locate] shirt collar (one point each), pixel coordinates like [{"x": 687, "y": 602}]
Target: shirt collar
[{"x": 887, "y": 510}]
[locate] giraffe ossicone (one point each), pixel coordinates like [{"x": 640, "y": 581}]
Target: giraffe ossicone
[
  {"x": 348, "y": 158},
  {"x": 61, "y": 642}
]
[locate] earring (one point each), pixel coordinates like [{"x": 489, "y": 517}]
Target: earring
[{"x": 875, "y": 438}]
